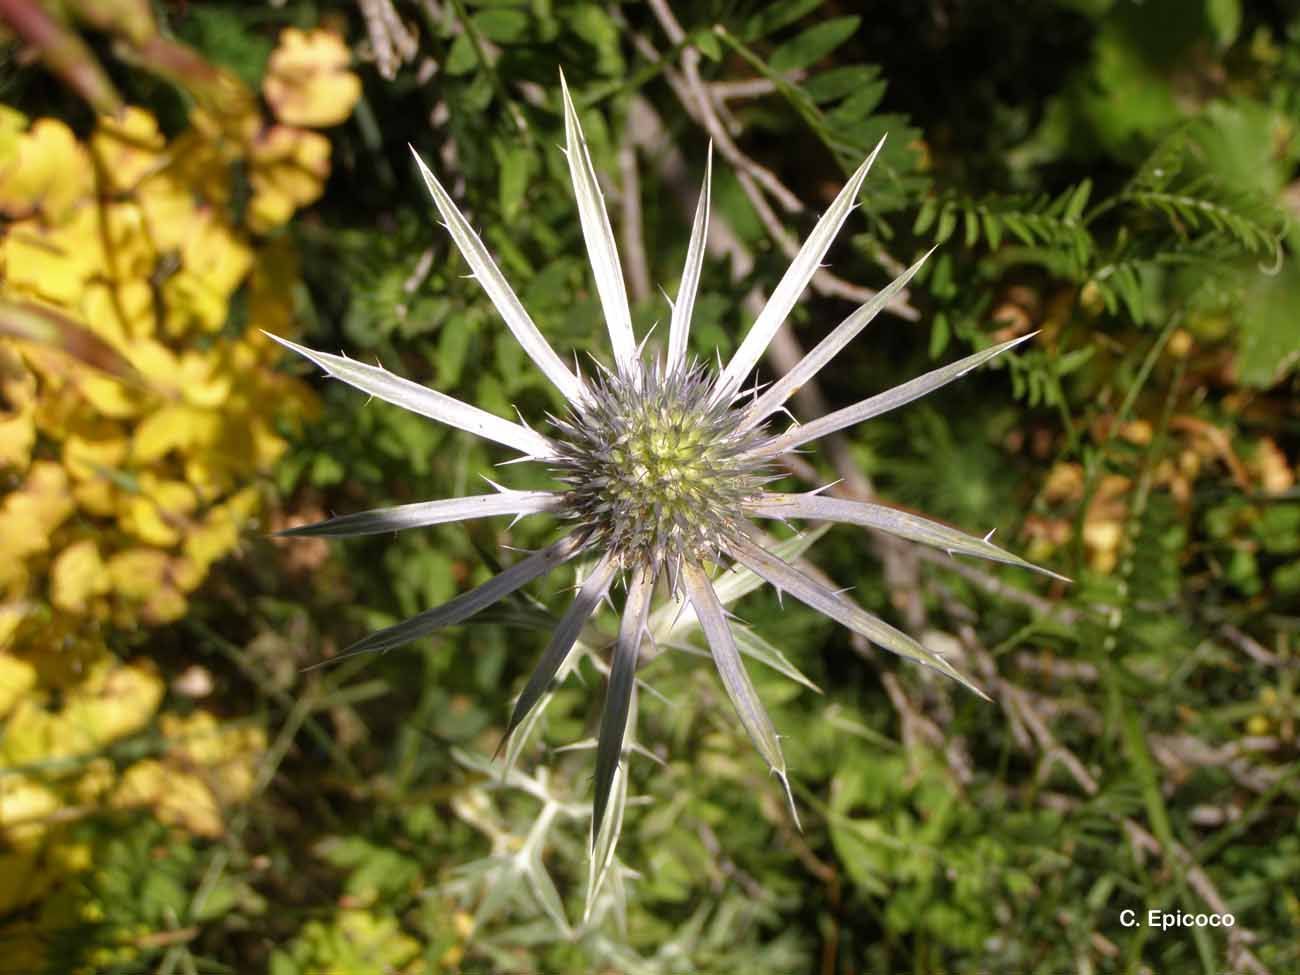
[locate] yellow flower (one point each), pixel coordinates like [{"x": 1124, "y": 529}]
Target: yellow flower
[
  {"x": 77, "y": 577},
  {"x": 307, "y": 79},
  {"x": 218, "y": 531},
  {"x": 206, "y": 768},
  {"x": 147, "y": 583},
  {"x": 113, "y": 700},
  {"x": 177, "y": 427},
  {"x": 17, "y": 677},
  {"x": 176, "y": 798},
  {"x": 25, "y": 805},
  {"x": 30, "y": 515},
  {"x": 289, "y": 171},
  {"x": 49, "y": 173},
  {"x": 158, "y": 512},
  {"x": 53, "y": 262},
  {"x": 121, "y": 486},
  {"x": 227, "y": 755},
  {"x": 137, "y": 572},
  {"x": 127, "y": 149},
  {"x": 28, "y": 862},
  {"x": 17, "y": 410},
  {"x": 122, "y": 311},
  {"x": 92, "y": 447},
  {"x": 204, "y": 379},
  {"x": 213, "y": 263},
  {"x": 170, "y": 202}
]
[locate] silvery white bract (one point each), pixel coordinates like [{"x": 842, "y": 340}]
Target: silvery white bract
[{"x": 662, "y": 466}]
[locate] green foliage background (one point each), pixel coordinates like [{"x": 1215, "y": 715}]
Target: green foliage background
[{"x": 1122, "y": 176}]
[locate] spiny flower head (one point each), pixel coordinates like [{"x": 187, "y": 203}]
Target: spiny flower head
[
  {"x": 658, "y": 471},
  {"x": 660, "y": 465}
]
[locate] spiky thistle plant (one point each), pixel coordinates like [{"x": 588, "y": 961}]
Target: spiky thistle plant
[{"x": 661, "y": 465}]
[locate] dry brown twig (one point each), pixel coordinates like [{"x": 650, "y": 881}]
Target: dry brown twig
[
  {"x": 700, "y": 99},
  {"x": 1251, "y": 647},
  {"x": 725, "y": 91},
  {"x": 634, "y": 257},
  {"x": 391, "y": 43},
  {"x": 696, "y": 98}
]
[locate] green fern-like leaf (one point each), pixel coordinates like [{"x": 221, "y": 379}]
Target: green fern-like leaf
[
  {"x": 1037, "y": 223},
  {"x": 1172, "y": 184}
]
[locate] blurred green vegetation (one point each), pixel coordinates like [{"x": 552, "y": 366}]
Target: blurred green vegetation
[{"x": 1120, "y": 176}]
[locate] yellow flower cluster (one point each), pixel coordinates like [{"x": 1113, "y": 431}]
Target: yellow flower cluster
[
  {"x": 129, "y": 487},
  {"x": 126, "y": 474},
  {"x": 58, "y": 772}
]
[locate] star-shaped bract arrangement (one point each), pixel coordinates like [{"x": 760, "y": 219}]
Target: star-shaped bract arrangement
[{"x": 662, "y": 464}]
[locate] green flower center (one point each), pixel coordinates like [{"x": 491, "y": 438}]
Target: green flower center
[{"x": 657, "y": 473}]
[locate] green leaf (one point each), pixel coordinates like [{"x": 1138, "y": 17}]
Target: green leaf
[
  {"x": 1225, "y": 19},
  {"x": 926, "y": 215},
  {"x": 1270, "y": 324},
  {"x": 1071, "y": 361},
  {"x": 462, "y": 58},
  {"x": 1238, "y": 142},
  {"x": 591, "y": 23},
  {"x": 992, "y": 229},
  {"x": 708, "y": 44},
  {"x": 1125, "y": 97},
  {"x": 1078, "y": 200},
  {"x": 453, "y": 346},
  {"x": 776, "y": 15},
  {"x": 223, "y": 36},
  {"x": 858, "y": 105},
  {"x": 947, "y": 224},
  {"x": 373, "y": 871},
  {"x": 939, "y": 335},
  {"x": 826, "y": 86},
  {"x": 813, "y": 44},
  {"x": 518, "y": 165},
  {"x": 503, "y": 26}
]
